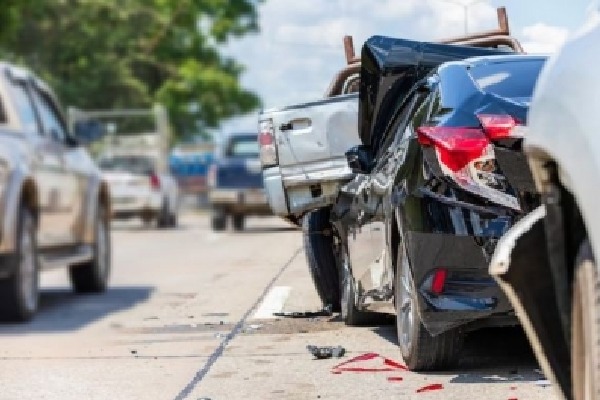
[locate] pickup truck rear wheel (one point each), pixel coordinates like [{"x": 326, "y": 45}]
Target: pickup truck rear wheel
[
  {"x": 238, "y": 221},
  {"x": 19, "y": 294},
  {"x": 320, "y": 247},
  {"x": 218, "y": 220},
  {"x": 420, "y": 350},
  {"x": 586, "y": 326},
  {"x": 92, "y": 276}
]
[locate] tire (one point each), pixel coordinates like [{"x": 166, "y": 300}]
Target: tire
[
  {"x": 92, "y": 276},
  {"x": 420, "y": 350},
  {"x": 293, "y": 220},
  {"x": 239, "y": 221},
  {"x": 164, "y": 217},
  {"x": 585, "y": 358},
  {"x": 318, "y": 236},
  {"x": 19, "y": 294},
  {"x": 173, "y": 221},
  {"x": 349, "y": 312},
  {"x": 218, "y": 220}
]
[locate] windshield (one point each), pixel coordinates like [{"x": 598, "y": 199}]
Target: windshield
[
  {"x": 246, "y": 147},
  {"x": 134, "y": 164},
  {"x": 510, "y": 79}
]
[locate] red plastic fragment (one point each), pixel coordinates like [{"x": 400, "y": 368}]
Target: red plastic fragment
[
  {"x": 388, "y": 364},
  {"x": 429, "y": 388},
  {"x": 395, "y": 378}
]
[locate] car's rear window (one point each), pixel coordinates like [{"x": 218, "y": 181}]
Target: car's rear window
[
  {"x": 246, "y": 147},
  {"x": 511, "y": 79},
  {"x": 134, "y": 164}
]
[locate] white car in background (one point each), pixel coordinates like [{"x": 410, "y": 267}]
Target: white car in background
[
  {"x": 141, "y": 187},
  {"x": 546, "y": 263}
]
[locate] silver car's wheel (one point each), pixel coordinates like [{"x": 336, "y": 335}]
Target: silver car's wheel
[
  {"x": 28, "y": 267},
  {"x": 92, "y": 276},
  {"x": 19, "y": 294}
]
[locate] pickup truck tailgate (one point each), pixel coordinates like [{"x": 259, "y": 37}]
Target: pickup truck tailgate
[{"x": 312, "y": 139}]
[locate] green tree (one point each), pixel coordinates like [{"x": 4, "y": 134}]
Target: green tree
[{"x": 130, "y": 53}]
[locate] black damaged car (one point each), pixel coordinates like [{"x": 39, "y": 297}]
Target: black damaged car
[{"x": 440, "y": 127}]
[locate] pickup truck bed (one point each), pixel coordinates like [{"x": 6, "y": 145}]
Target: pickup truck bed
[{"x": 311, "y": 140}]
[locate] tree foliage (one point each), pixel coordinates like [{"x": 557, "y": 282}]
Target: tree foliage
[{"x": 101, "y": 54}]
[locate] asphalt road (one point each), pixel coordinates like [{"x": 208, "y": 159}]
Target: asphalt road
[{"x": 189, "y": 316}]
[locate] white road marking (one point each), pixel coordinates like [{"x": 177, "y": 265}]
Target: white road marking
[{"x": 273, "y": 302}]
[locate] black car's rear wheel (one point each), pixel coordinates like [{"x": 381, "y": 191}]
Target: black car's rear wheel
[
  {"x": 320, "y": 248},
  {"x": 586, "y": 327},
  {"x": 19, "y": 294},
  {"x": 420, "y": 350}
]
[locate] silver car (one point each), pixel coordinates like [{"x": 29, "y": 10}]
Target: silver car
[{"x": 54, "y": 206}]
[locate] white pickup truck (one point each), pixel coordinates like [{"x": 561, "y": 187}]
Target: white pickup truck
[{"x": 302, "y": 147}]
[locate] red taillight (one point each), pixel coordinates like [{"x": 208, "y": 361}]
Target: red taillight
[
  {"x": 456, "y": 147},
  {"x": 498, "y": 126},
  {"x": 439, "y": 280},
  {"x": 266, "y": 139},
  {"x": 154, "y": 181}
]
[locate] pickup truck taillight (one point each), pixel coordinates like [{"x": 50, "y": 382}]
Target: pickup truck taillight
[
  {"x": 466, "y": 155},
  {"x": 266, "y": 140},
  {"x": 154, "y": 181}
]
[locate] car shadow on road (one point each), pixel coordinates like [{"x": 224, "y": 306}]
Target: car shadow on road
[
  {"x": 493, "y": 355},
  {"x": 267, "y": 229},
  {"x": 61, "y": 310}
]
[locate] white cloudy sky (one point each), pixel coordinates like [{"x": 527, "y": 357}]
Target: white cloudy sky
[{"x": 299, "y": 48}]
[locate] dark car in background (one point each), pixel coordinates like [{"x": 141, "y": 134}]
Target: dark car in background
[
  {"x": 440, "y": 127},
  {"x": 235, "y": 182}
]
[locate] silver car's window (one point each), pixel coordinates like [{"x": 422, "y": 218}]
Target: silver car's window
[
  {"x": 3, "y": 119},
  {"x": 51, "y": 119},
  {"x": 22, "y": 101}
]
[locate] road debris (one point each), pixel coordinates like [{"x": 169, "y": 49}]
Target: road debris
[
  {"x": 395, "y": 379},
  {"x": 377, "y": 363},
  {"x": 430, "y": 388},
  {"x": 324, "y": 312},
  {"x": 323, "y": 352}
]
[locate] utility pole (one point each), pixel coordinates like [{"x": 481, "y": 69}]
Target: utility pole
[{"x": 465, "y": 7}]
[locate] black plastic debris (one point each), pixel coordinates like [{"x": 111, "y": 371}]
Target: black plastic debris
[
  {"x": 324, "y": 312},
  {"x": 322, "y": 352}
]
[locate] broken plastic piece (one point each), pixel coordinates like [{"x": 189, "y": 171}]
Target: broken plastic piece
[
  {"x": 350, "y": 365},
  {"x": 325, "y": 312},
  {"x": 326, "y": 351},
  {"x": 429, "y": 388},
  {"x": 395, "y": 378}
]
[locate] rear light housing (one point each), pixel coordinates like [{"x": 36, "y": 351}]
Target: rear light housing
[
  {"x": 266, "y": 140},
  {"x": 154, "y": 181},
  {"x": 466, "y": 155}
]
